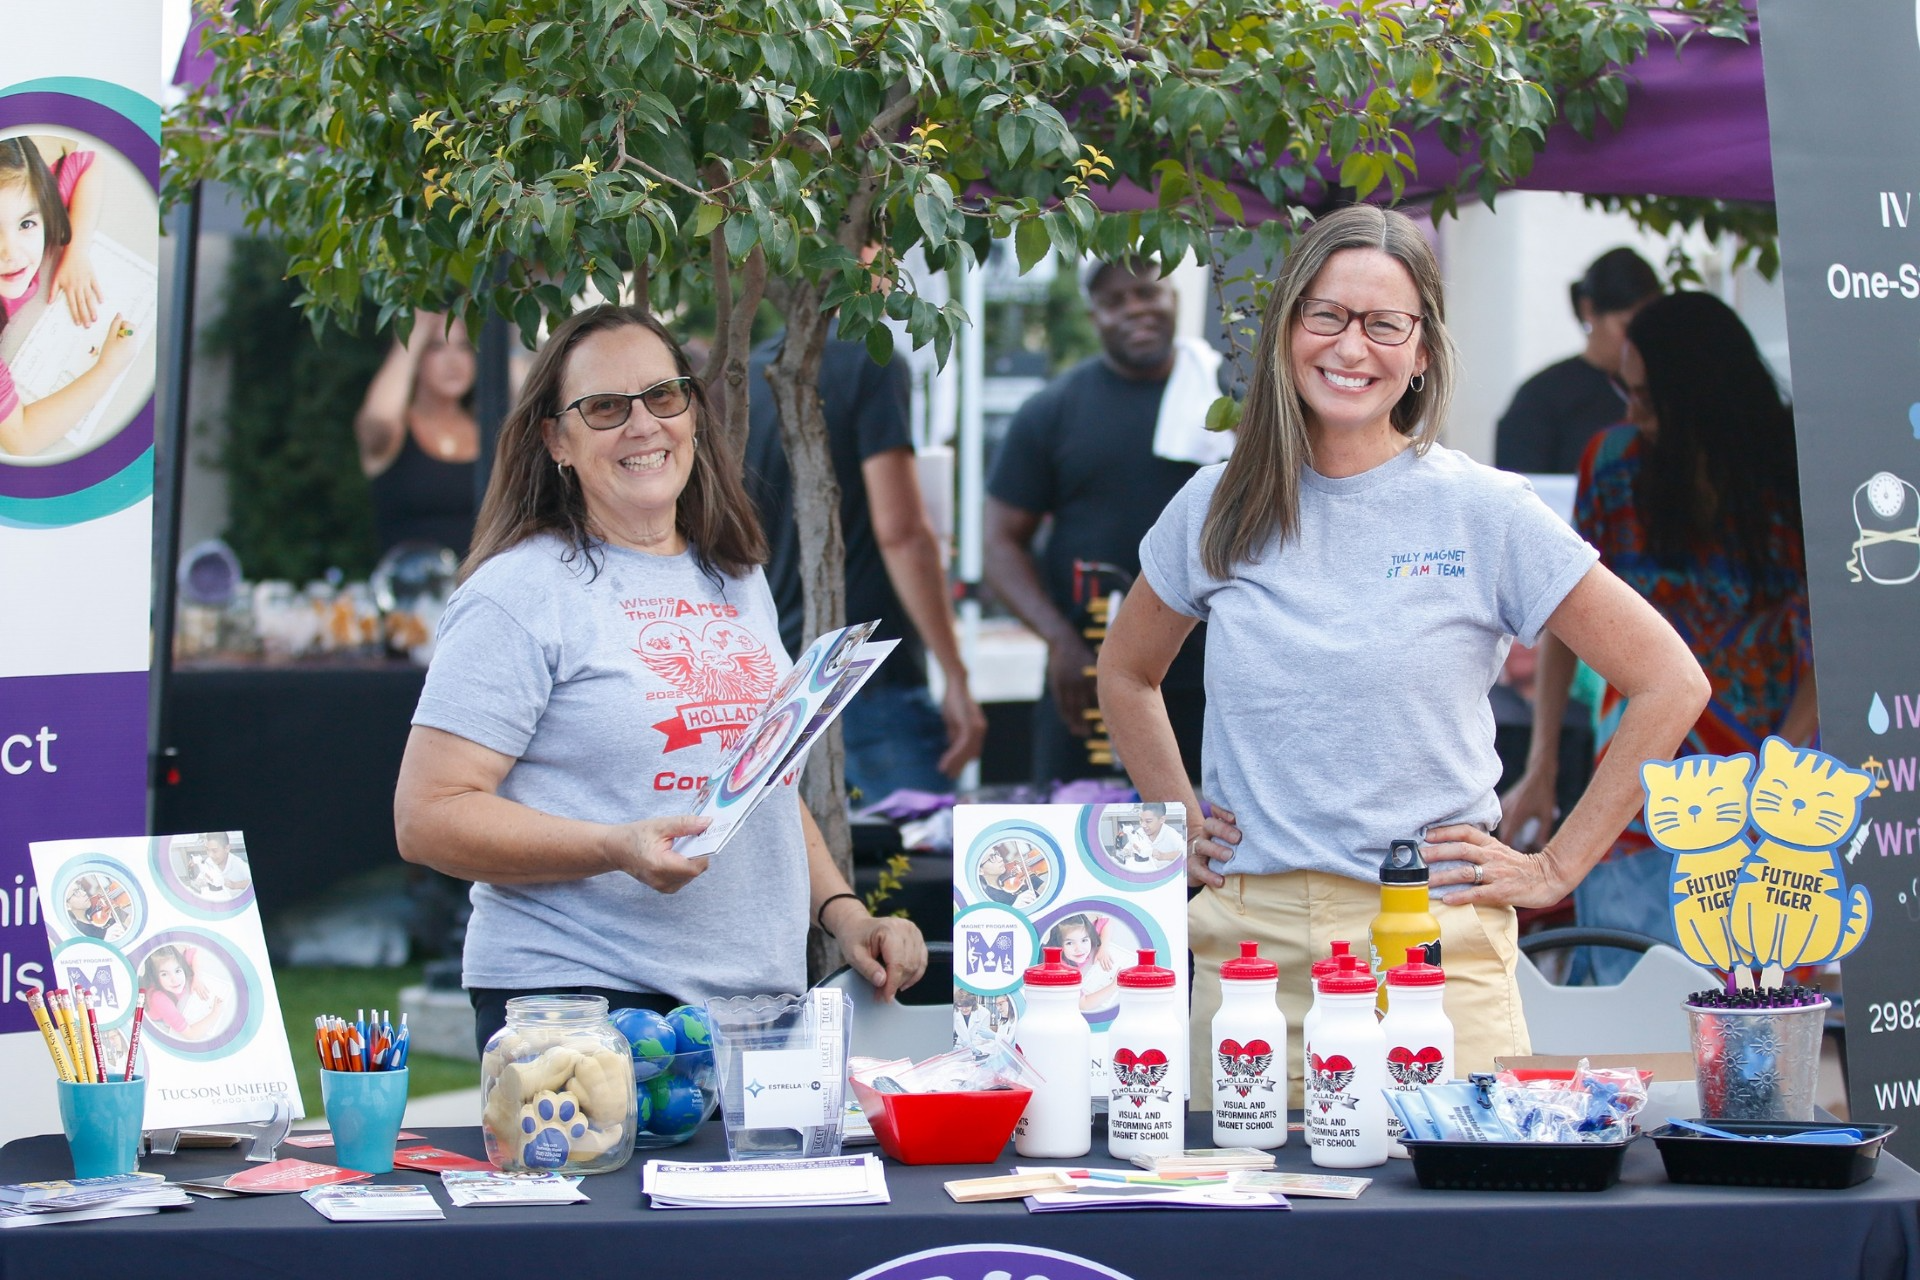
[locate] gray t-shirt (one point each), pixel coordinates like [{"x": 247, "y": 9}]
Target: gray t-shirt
[
  {"x": 1347, "y": 672},
  {"x": 616, "y": 695}
]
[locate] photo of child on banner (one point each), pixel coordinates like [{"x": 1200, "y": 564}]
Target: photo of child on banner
[{"x": 1758, "y": 881}]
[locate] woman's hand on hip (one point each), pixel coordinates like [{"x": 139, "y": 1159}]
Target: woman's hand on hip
[
  {"x": 644, "y": 850},
  {"x": 1474, "y": 869},
  {"x": 1218, "y": 835},
  {"x": 887, "y": 951}
]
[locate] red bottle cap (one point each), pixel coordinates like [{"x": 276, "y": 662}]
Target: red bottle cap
[
  {"x": 1249, "y": 967},
  {"x": 1052, "y": 971},
  {"x": 1146, "y": 974},
  {"x": 1416, "y": 972},
  {"x": 1321, "y": 968},
  {"x": 1349, "y": 979}
]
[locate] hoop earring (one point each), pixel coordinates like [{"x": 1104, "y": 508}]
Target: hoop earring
[
  {"x": 693, "y": 442},
  {"x": 561, "y": 467},
  {"x": 1417, "y": 383}
]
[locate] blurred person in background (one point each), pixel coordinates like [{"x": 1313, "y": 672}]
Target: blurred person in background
[
  {"x": 1557, "y": 410},
  {"x": 1695, "y": 503},
  {"x": 418, "y": 438}
]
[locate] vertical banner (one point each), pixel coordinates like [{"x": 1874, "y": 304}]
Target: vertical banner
[
  {"x": 1846, "y": 164},
  {"x": 79, "y": 246}
]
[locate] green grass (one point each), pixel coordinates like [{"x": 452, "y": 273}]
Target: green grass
[{"x": 307, "y": 993}]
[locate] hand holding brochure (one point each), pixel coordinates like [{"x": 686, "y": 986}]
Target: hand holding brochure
[{"x": 775, "y": 744}]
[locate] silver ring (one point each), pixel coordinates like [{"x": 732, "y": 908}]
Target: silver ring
[{"x": 1476, "y": 872}]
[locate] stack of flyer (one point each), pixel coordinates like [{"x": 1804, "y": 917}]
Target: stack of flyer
[
  {"x": 759, "y": 1184},
  {"x": 28, "y": 1204},
  {"x": 405, "y": 1202},
  {"x": 1203, "y": 1160},
  {"x": 472, "y": 1189}
]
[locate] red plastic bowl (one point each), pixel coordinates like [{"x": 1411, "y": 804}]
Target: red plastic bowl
[{"x": 943, "y": 1128}]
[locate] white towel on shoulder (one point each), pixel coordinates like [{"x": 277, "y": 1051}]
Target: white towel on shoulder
[{"x": 1180, "y": 433}]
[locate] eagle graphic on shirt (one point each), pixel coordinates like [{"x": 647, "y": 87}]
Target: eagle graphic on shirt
[{"x": 723, "y": 669}]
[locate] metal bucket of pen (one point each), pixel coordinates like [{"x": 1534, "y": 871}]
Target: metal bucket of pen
[{"x": 1757, "y": 1064}]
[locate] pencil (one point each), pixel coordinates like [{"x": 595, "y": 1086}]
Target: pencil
[
  {"x": 64, "y": 1012},
  {"x": 93, "y": 1039},
  {"x": 37, "y": 1003},
  {"x": 133, "y": 1033}
]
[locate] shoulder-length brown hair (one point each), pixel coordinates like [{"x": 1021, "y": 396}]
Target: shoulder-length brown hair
[
  {"x": 1259, "y": 493},
  {"x": 526, "y": 495}
]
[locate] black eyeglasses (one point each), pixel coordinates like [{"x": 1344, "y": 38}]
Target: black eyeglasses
[
  {"x": 605, "y": 410},
  {"x": 1330, "y": 320}
]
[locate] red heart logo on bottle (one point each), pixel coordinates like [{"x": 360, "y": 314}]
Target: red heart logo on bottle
[
  {"x": 1243, "y": 1064},
  {"x": 1414, "y": 1066},
  {"x": 1331, "y": 1076},
  {"x": 1253, "y": 1048},
  {"x": 1138, "y": 1072}
]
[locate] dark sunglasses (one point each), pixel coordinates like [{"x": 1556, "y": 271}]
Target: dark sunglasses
[{"x": 605, "y": 410}]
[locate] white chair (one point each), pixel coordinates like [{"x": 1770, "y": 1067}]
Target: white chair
[
  {"x": 896, "y": 1028},
  {"x": 1641, "y": 1014}
]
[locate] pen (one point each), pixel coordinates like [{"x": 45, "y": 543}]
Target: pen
[{"x": 1148, "y": 1180}]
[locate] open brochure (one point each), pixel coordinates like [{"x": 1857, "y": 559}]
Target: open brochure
[
  {"x": 1128, "y": 1189},
  {"x": 390, "y": 1202},
  {"x": 828, "y": 674}
]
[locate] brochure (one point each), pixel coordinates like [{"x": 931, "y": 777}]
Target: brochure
[
  {"x": 406, "y": 1202},
  {"x": 175, "y": 917},
  {"x": 1099, "y": 881},
  {"x": 130, "y": 1203},
  {"x": 70, "y": 1193},
  {"x": 437, "y": 1160},
  {"x": 807, "y": 700},
  {"x": 471, "y": 1189},
  {"x": 672, "y": 1184},
  {"x": 282, "y": 1177}
]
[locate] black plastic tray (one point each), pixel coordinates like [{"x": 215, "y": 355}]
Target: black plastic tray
[
  {"x": 1517, "y": 1166},
  {"x": 1724, "y": 1162}
]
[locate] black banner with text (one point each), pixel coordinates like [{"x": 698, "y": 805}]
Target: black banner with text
[{"x": 1846, "y": 166}]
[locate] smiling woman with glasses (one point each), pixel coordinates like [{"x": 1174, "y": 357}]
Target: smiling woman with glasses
[
  {"x": 1361, "y": 586},
  {"x": 612, "y": 638}
]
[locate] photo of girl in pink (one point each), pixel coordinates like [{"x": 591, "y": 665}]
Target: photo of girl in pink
[
  {"x": 50, "y": 204},
  {"x": 1084, "y": 942},
  {"x": 186, "y": 997}
]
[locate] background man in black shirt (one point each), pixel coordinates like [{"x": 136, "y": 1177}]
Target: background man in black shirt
[{"x": 1081, "y": 453}]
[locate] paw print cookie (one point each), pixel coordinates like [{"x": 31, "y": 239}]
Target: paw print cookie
[{"x": 550, "y": 1127}]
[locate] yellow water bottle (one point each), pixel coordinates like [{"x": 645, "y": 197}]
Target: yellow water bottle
[{"x": 1404, "y": 920}]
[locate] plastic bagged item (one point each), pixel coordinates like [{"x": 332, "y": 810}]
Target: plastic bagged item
[
  {"x": 1598, "y": 1104},
  {"x": 983, "y": 1063},
  {"x": 782, "y": 1063}
]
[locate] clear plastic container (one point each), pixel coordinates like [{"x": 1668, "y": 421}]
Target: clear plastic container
[
  {"x": 782, "y": 1063},
  {"x": 556, "y": 1088}
]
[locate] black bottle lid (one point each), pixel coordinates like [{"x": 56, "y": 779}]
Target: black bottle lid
[{"x": 1403, "y": 864}]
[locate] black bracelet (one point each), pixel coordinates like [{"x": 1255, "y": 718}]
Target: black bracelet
[{"x": 820, "y": 916}]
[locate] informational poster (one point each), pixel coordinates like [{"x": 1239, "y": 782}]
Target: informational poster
[
  {"x": 173, "y": 917},
  {"x": 79, "y": 179},
  {"x": 1846, "y": 165},
  {"x": 1099, "y": 881}
]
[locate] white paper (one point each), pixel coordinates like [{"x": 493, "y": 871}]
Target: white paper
[
  {"x": 784, "y": 1089},
  {"x": 674, "y": 1184},
  {"x": 56, "y": 350}
]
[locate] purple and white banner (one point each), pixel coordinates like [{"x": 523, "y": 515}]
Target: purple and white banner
[{"x": 79, "y": 306}]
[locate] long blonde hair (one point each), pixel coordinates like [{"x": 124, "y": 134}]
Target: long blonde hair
[
  {"x": 1259, "y": 494},
  {"x": 526, "y": 494}
]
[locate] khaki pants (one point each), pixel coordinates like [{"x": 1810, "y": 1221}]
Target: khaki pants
[{"x": 1296, "y": 916}]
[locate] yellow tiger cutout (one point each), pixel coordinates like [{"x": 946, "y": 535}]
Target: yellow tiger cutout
[
  {"x": 1697, "y": 811},
  {"x": 1792, "y": 905}
]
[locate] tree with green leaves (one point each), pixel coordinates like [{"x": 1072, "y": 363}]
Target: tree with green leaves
[{"x": 503, "y": 155}]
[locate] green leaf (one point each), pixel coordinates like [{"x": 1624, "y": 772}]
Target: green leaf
[
  {"x": 1030, "y": 242},
  {"x": 1223, "y": 414},
  {"x": 709, "y": 217},
  {"x": 880, "y": 344}
]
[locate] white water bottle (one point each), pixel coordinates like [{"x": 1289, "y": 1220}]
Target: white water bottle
[
  {"x": 1056, "y": 1042},
  {"x": 1310, "y": 1023},
  {"x": 1146, "y": 1111},
  {"x": 1347, "y": 1073},
  {"x": 1249, "y": 1055},
  {"x": 1419, "y": 1036}
]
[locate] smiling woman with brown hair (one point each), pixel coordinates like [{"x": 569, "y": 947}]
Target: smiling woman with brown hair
[
  {"x": 612, "y": 638},
  {"x": 1362, "y": 586}
]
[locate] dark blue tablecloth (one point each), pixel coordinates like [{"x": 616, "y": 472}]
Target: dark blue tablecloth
[{"x": 1644, "y": 1227}]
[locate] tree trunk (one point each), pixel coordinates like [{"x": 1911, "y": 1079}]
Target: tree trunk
[
  {"x": 794, "y": 378},
  {"x": 736, "y": 297}
]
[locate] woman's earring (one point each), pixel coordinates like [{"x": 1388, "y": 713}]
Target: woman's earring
[
  {"x": 1417, "y": 383},
  {"x": 693, "y": 442},
  {"x": 561, "y": 467}
]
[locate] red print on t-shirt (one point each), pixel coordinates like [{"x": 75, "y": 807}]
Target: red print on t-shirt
[{"x": 723, "y": 670}]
